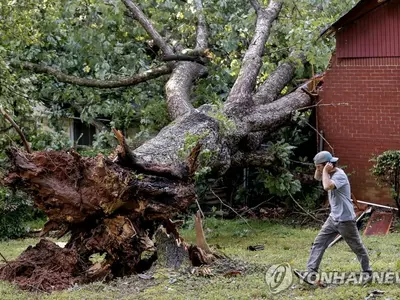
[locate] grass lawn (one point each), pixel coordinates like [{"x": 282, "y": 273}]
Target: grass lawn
[{"x": 283, "y": 243}]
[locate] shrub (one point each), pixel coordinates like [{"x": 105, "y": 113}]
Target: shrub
[
  {"x": 387, "y": 172},
  {"x": 15, "y": 209}
]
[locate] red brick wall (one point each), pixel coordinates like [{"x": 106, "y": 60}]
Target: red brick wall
[{"x": 359, "y": 113}]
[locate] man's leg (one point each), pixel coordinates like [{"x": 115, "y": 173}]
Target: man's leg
[
  {"x": 350, "y": 234},
  {"x": 325, "y": 236}
]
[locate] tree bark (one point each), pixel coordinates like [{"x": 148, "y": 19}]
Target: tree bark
[
  {"x": 101, "y": 84},
  {"x": 148, "y": 26},
  {"x": 240, "y": 95}
]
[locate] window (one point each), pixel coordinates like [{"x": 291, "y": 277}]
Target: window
[{"x": 82, "y": 133}]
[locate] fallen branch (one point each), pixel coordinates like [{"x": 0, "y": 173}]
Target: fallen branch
[
  {"x": 321, "y": 136},
  {"x": 324, "y": 104},
  {"x": 201, "y": 32},
  {"x": 223, "y": 203},
  {"x": 145, "y": 22},
  {"x": 5, "y": 260},
  {"x": 302, "y": 208},
  {"x": 258, "y": 205},
  {"x": 182, "y": 57},
  {"x": 102, "y": 84},
  {"x": 21, "y": 134}
]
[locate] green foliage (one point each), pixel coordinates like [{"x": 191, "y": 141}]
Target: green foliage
[
  {"x": 154, "y": 116},
  {"x": 15, "y": 210},
  {"x": 92, "y": 152},
  {"x": 191, "y": 140},
  {"x": 51, "y": 140},
  {"x": 279, "y": 184},
  {"x": 278, "y": 180},
  {"x": 386, "y": 170},
  {"x": 299, "y": 132},
  {"x": 289, "y": 175},
  {"x": 95, "y": 39}
]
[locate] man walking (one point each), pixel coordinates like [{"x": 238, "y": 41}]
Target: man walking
[{"x": 341, "y": 220}]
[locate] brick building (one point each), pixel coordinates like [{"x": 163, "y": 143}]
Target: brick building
[{"x": 361, "y": 92}]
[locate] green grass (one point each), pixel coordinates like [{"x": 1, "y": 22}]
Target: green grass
[{"x": 283, "y": 243}]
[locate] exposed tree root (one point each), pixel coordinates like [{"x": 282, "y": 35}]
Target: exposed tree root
[
  {"x": 108, "y": 208},
  {"x": 44, "y": 267}
]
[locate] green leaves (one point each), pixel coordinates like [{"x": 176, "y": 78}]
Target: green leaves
[
  {"x": 386, "y": 170},
  {"x": 96, "y": 39},
  {"x": 279, "y": 184},
  {"x": 15, "y": 209}
]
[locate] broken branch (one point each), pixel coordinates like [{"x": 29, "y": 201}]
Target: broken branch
[
  {"x": 102, "y": 84},
  {"x": 301, "y": 207},
  {"x": 200, "y": 237},
  {"x": 182, "y": 57},
  {"x": 21, "y": 134},
  {"x": 224, "y": 204},
  {"x": 2, "y": 256}
]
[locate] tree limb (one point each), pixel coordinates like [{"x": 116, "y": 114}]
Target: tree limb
[
  {"x": 266, "y": 93},
  {"x": 5, "y": 260},
  {"x": 269, "y": 90},
  {"x": 240, "y": 95},
  {"x": 179, "y": 86},
  {"x": 256, "y": 5},
  {"x": 202, "y": 33},
  {"x": 252, "y": 159},
  {"x": 182, "y": 57},
  {"x": 148, "y": 26},
  {"x": 21, "y": 134},
  {"x": 270, "y": 116},
  {"x": 102, "y": 84}
]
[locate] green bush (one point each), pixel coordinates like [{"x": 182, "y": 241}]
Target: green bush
[
  {"x": 386, "y": 170},
  {"x": 290, "y": 175},
  {"x": 15, "y": 209}
]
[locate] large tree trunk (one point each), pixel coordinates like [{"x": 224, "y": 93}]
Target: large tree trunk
[{"x": 115, "y": 205}]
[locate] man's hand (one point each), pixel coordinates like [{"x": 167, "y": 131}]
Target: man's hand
[{"x": 328, "y": 167}]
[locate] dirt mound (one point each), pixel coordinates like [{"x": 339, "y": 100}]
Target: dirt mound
[{"x": 44, "y": 267}]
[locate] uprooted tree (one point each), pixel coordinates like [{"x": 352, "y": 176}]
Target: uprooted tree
[{"x": 114, "y": 204}]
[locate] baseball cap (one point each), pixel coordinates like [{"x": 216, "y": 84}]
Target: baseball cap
[{"x": 324, "y": 156}]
